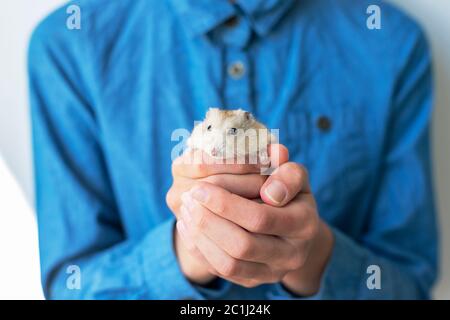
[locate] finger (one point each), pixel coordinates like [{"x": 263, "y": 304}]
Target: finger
[
  {"x": 194, "y": 251},
  {"x": 237, "y": 242},
  {"x": 279, "y": 154},
  {"x": 284, "y": 184},
  {"x": 189, "y": 244},
  {"x": 289, "y": 220},
  {"x": 195, "y": 166},
  {"x": 224, "y": 264},
  {"x": 247, "y": 185}
]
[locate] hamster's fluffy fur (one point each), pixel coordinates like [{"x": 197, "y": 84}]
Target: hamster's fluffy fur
[{"x": 229, "y": 134}]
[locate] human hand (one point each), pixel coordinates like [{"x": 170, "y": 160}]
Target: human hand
[
  {"x": 241, "y": 179},
  {"x": 252, "y": 243}
]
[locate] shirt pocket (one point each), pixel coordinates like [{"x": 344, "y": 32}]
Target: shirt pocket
[{"x": 332, "y": 144}]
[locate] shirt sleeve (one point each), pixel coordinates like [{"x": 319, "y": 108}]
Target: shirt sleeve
[
  {"x": 85, "y": 253},
  {"x": 401, "y": 238}
]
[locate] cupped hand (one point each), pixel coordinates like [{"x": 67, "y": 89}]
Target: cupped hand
[
  {"x": 251, "y": 243},
  {"x": 244, "y": 180}
]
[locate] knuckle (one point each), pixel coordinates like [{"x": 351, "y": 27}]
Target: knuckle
[
  {"x": 220, "y": 205},
  {"x": 191, "y": 248},
  {"x": 246, "y": 284},
  {"x": 229, "y": 267},
  {"x": 218, "y": 198},
  {"x": 201, "y": 223},
  {"x": 311, "y": 232},
  {"x": 296, "y": 261},
  {"x": 296, "y": 170},
  {"x": 170, "y": 199},
  {"x": 304, "y": 172},
  {"x": 249, "y": 283},
  {"x": 261, "y": 221},
  {"x": 307, "y": 225},
  {"x": 243, "y": 249}
]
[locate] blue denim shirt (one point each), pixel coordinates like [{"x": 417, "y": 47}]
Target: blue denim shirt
[{"x": 352, "y": 104}]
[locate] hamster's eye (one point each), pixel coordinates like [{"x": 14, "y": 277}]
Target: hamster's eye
[
  {"x": 209, "y": 128},
  {"x": 232, "y": 131}
]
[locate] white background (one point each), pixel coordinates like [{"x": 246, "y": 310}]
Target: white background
[{"x": 19, "y": 269}]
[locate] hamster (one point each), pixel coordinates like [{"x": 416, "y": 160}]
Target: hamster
[{"x": 227, "y": 134}]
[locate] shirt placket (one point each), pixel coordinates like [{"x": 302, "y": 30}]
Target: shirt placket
[{"x": 237, "y": 65}]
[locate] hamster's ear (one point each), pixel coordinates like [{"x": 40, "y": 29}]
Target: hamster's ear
[
  {"x": 212, "y": 112},
  {"x": 248, "y": 115}
]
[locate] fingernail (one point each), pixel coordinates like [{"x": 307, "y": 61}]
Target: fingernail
[
  {"x": 276, "y": 191},
  {"x": 187, "y": 200},
  {"x": 185, "y": 214},
  {"x": 199, "y": 194}
]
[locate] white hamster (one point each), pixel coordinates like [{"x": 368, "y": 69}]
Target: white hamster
[{"x": 229, "y": 134}]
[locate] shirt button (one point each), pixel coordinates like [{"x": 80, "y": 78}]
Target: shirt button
[
  {"x": 324, "y": 123},
  {"x": 236, "y": 70}
]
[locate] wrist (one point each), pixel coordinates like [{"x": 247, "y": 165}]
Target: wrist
[{"x": 306, "y": 280}]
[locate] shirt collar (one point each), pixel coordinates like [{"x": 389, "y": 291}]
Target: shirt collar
[
  {"x": 264, "y": 14},
  {"x": 201, "y": 16}
]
